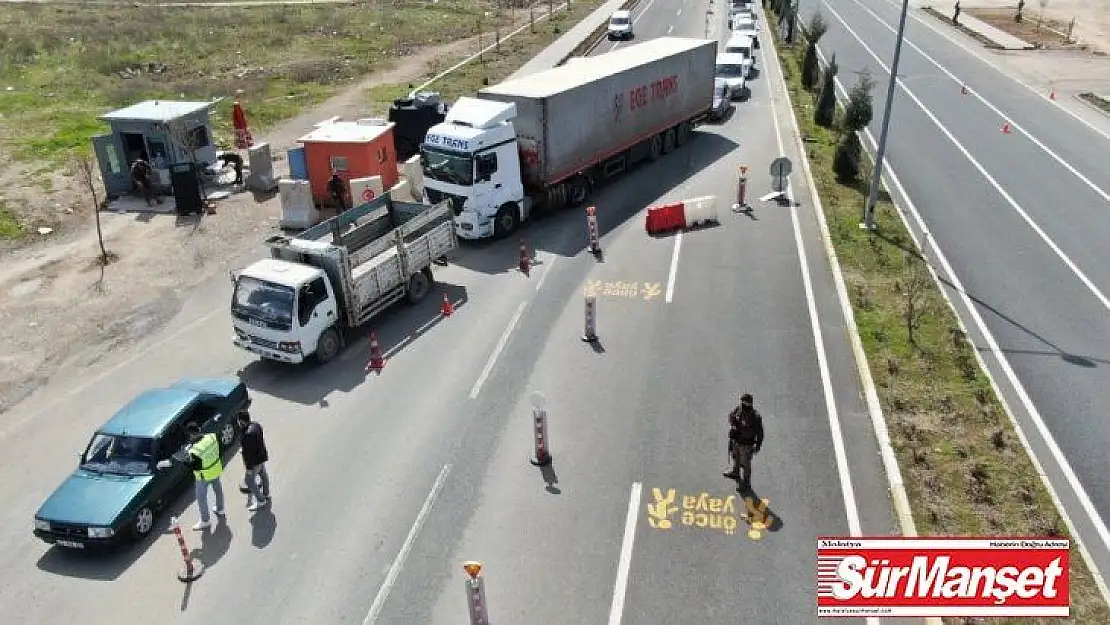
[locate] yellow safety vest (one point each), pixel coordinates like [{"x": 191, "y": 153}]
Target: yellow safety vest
[{"x": 208, "y": 450}]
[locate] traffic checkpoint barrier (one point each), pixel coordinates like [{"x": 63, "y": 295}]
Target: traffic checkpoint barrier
[
  {"x": 589, "y": 335},
  {"x": 742, "y": 191},
  {"x": 700, "y": 211},
  {"x": 377, "y": 361},
  {"x": 592, "y": 230},
  {"x": 475, "y": 593},
  {"x": 192, "y": 569},
  {"x": 665, "y": 218},
  {"x": 525, "y": 264},
  {"x": 541, "y": 456}
]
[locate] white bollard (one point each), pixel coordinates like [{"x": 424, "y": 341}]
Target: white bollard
[
  {"x": 542, "y": 455},
  {"x": 592, "y": 230},
  {"x": 476, "y": 593},
  {"x": 590, "y": 334}
]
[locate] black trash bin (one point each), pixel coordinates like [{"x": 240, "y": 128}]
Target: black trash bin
[
  {"x": 186, "y": 188},
  {"x": 413, "y": 117}
]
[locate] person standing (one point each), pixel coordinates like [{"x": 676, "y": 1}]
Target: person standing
[
  {"x": 204, "y": 460},
  {"x": 255, "y": 455},
  {"x": 745, "y": 438},
  {"x": 142, "y": 174}
]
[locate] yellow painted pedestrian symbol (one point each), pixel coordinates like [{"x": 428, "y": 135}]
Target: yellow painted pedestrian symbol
[
  {"x": 651, "y": 290},
  {"x": 757, "y": 516},
  {"x": 659, "y": 513}
]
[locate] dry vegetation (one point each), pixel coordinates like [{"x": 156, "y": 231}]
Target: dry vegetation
[
  {"x": 1045, "y": 33},
  {"x": 965, "y": 470}
]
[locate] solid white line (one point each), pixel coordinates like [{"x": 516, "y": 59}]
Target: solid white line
[
  {"x": 929, "y": 23},
  {"x": 399, "y": 561},
  {"x": 1037, "y": 142},
  {"x": 548, "y": 262},
  {"x": 616, "y": 611},
  {"x": 1046, "y": 436},
  {"x": 982, "y": 171},
  {"x": 674, "y": 267},
  {"x": 501, "y": 342}
]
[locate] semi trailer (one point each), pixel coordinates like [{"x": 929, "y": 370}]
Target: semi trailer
[{"x": 544, "y": 140}]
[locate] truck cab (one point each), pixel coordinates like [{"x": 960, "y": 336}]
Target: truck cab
[
  {"x": 473, "y": 160},
  {"x": 280, "y": 309}
]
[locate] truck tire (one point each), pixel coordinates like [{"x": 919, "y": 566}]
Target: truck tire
[
  {"x": 506, "y": 221},
  {"x": 328, "y": 346},
  {"x": 418, "y": 288},
  {"x": 668, "y": 140},
  {"x": 656, "y": 148},
  {"x": 682, "y": 133},
  {"x": 578, "y": 189}
]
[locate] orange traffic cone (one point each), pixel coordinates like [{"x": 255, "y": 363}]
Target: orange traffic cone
[
  {"x": 1052, "y": 94},
  {"x": 1006, "y": 128},
  {"x": 525, "y": 261},
  {"x": 447, "y": 308},
  {"x": 377, "y": 362}
]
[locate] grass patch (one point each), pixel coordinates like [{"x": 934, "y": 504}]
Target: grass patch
[
  {"x": 66, "y": 65},
  {"x": 494, "y": 66},
  {"x": 965, "y": 470},
  {"x": 1096, "y": 101},
  {"x": 9, "y": 223}
]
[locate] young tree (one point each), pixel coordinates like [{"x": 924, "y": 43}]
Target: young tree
[
  {"x": 915, "y": 292},
  {"x": 813, "y": 33},
  {"x": 859, "y": 110},
  {"x": 85, "y": 171},
  {"x": 825, "y": 113},
  {"x": 847, "y": 158}
]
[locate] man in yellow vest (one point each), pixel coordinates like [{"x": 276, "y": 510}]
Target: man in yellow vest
[{"x": 204, "y": 460}]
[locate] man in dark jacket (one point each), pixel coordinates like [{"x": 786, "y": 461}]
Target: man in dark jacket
[
  {"x": 745, "y": 436},
  {"x": 253, "y": 447}
]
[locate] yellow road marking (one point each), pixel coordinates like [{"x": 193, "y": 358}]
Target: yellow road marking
[{"x": 621, "y": 289}]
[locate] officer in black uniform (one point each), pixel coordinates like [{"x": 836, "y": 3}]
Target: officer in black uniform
[{"x": 745, "y": 439}]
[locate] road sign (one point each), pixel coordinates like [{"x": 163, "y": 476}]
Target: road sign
[
  {"x": 781, "y": 167},
  {"x": 367, "y": 194}
]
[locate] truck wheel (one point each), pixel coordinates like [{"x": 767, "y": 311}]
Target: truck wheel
[
  {"x": 682, "y": 133},
  {"x": 328, "y": 346},
  {"x": 578, "y": 190},
  {"x": 656, "y": 148},
  {"x": 506, "y": 221},
  {"x": 419, "y": 285},
  {"x": 668, "y": 141}
]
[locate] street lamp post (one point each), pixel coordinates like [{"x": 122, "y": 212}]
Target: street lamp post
[{"x": 876, "y": 176}]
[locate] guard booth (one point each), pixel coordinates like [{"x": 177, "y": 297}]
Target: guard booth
[{"x": 165, "y": 132}]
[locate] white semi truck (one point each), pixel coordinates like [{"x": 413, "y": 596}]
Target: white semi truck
[
  {"x": 544, "y": 140},
  {"x": 335, "y": 276}
]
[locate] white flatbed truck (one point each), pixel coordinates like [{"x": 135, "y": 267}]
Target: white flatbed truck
[{"x": 331, "y": 279}]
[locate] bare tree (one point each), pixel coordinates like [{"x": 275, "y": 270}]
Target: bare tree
[
  {"x": 915, "y": 292},
  {"x": 86, "y": 174}
]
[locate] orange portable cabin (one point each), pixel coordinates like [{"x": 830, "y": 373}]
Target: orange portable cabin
[{"x": 353, "y": 150}]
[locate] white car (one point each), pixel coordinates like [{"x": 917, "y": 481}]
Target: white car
[
  {"x": 743, "y": 44},
  {"x": 746, "y": 26},
  {"x": 620, "y": 25},
  {"x": 730, "y": 70}
]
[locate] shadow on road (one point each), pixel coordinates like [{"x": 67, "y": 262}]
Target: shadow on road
[
  {"x": 263, "y": 527},
  {"x": 617, "y": 201},
  {"x": 773, "y": 522},
  {"x": 396, "y": 328}
]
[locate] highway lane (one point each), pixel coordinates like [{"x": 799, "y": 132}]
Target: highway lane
[
  {"x": 647, "y": 409},
  {"x": 1021, "y": 230}
]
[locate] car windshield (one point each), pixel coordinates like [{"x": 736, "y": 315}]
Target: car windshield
[
  {"x": 264, "y": 300},
  {"x": 729, "y": 70},
  {"x": 618, "y": 21},
  {"x": 447, "y": 166},
  {"x": 123, "y": 455}
]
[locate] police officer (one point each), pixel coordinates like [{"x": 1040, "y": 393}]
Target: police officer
[
  {"x": 204, "y": 460},
  {"x": 745, "y": 439}
]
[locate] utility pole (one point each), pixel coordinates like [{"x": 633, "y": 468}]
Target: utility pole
[{"x": 880, "y": 153}]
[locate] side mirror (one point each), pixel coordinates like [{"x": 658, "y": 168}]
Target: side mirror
[{"x": 164, "y": 465}]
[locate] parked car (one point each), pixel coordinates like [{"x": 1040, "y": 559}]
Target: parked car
[
  {"x": 730, "y": 68},
  {"x": 620, "y": 25},
  {"x": 136, "y": 463},
  {"x": 722, "y": 99}
]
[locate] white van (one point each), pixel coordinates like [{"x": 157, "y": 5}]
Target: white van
[
  {"x": 742, "y": 45},
  {"x": 730, "y": 70},
  {"x": 745, "y": 25}
]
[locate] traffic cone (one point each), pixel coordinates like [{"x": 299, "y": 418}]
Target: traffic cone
[
  {"x": 1052, "y": 94},
  {"x": 963, "y": 89},
  {"x": 1006, "y": 128},
  {"x": 377, "y": 362},
  {"x": 447, "y": 308},
  {"x": 525, "y": 262}
]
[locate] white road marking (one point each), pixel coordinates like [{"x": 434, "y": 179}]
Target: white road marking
[
  {"x": 670, "y": 29},
  {"x": 674, "y": 267},
  {"x": 634, "y": 20},
  {"x": 501, "y": 342},
  {"x": 983, "y": 172},
  {"x": 1017, "y": 127},
  {"x": 839, "y": 451},
  {"x": 548, "y": 262},
  {"x": 1050, "y": 442},
  {"x": 929, "y": 23},
  {"x": 616, "y": 611},
  {"x": 679, "y": 12},
  {"x": 399, "y": 561}
]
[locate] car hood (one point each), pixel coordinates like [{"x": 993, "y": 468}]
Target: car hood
[{"x": 87, "y": 498}]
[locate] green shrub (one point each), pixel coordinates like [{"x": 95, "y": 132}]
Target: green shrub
[
  {"x": 824, "y": 114},
  {"x": 846, "y": 159},
  {"x": 859, "y": 110}
]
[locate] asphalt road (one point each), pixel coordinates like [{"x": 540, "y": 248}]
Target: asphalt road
[
  {"x": 1020, "y": 217},
  {"x": 383, "y": 485}
]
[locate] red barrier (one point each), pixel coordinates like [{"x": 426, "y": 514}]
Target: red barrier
[{"x": 666, "y": 218}]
